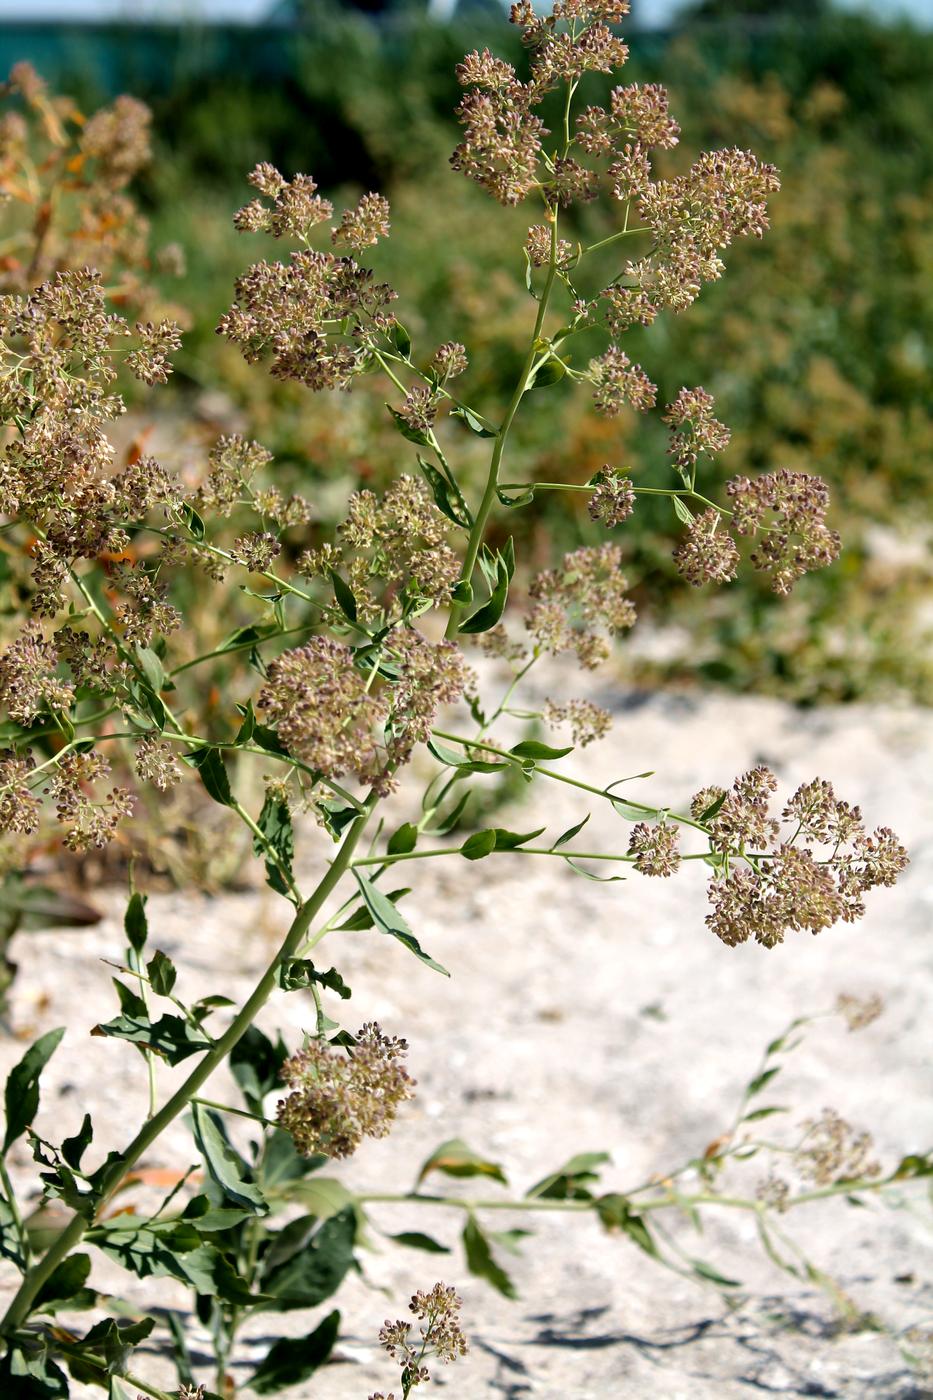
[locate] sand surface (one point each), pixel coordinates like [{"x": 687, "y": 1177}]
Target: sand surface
[{"x": 584, "y": 1016}]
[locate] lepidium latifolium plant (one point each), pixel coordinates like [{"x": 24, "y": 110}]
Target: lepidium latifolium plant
[{"x": 353, "y": 657}]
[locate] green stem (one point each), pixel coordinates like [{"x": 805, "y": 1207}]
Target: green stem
[
  {"x": 614, "y": 238},
  {"x": 492, "y": 480},
  {"x": 12, "y": 1202},
  {"x": 239, "y": 1112},
  {"x": 19, "y": 1308},
  {"x": 571, "y": 782},
  {"x": 512, "y": 851}
]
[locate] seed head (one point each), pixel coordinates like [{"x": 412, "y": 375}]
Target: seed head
[{"x": 339, "y": 1097}]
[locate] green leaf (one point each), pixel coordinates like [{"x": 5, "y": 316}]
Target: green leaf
[
  {"x": 21, "y": 1097},
  {"x": 213, "y": 770},
  {"x": 570, "y": 833},
  {"x": 315, "y": 1264},
  {"x": 152, "y": 668},
  {"x": 388, "y": 919},
  {"x": 683, "y": 512},
  {"x": 914, "y": 1165},
  {"x": 407, "y": 431},
  {"x": 760, "y": 1080},
  {"x": 73, "y": 1148},
  {"x": 362, "y": 919},
  {"x": 447, "y": 495},
  {"x": 714, "y": 808},
  {"x": 135, "y": 922},
  {"x": 321, "y": 1195},
  {"x": 414, "y": 1239},
  {"x": 549, "y": 373},
  {"x": 480, "y": 844},
  {"x": 275, "y": 823},
  {"x": 616, "y": 1214},
  {"x": 225, "y": 1166},
  {"x": 403, "y": 839},
  {"x": 489, "y": 614},
  {"x": 243, "y": 637},
  {"x": 27, "y": 1372},
  {"x": 455, "y": 1158},
  {"x": 162, "y": 973},
  {"x": 495, "y": 838},
  {"x": 296, "y": 973},
  {"x": 255, "y": 1063},
  {"x": 570, "y": 1181},
  {"x": 472, "y": 421},
  {"x": 174, "y": 1249},
  {"x": 531, "y": 748},
  {"x": 172, "y": 1037},
  {"x": 64, "y": 1283},
  {"x": 480, "y": 1261},
  {"x": 287, "y": 1362},
  {"x": 523, "y": 498},
  {"x": 192, "y": 520},
  {"x": 707, "y": 1271},
  {"x": 401, "y": 339},
  {"x": 344, "y": 596},
  {"x": 762, "y": 1113}
]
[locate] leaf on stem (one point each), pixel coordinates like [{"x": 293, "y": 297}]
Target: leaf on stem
[
  {"x": 287, "y": 1362},
  {"x": 225, "y": 1166},
  {"x": 388, "y": 919},
  {"x": 21, "y": 1096},
  {"x": 455, "y": 1158}
]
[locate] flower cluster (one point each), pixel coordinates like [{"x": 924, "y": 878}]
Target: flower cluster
[
  {"x": 834, "y": 1151},
  {"x": 588, "y": 721},
  {"x": 782, "y": 885},
  {"x": 858, "y": 1012},
  {"x": 431, "y": 674},
  {"x": 585, "y": 593},
  {"x": 365, "y": 225},
  {"x": 399, "y": 540},
  {"x": 691, "y": 219},
  {"x": 654, "y": 848},
  {"x": 707, "y": 554},
  {"x": 441, "y": 1335},
  {"x": 787, "y": 511},
  {"x": 89, "y": 821},
  {"x": 613, "y": 498},
  {"x": 694, "y": 429},
  {"x": 618, "y": 381},
  {"x": 28, "y": 684},
  {"x": 320, "y": 705},
  {"x": 67, "y": 179},
  {"x": 56, "y": 470},
  {"x": 339, "y": 1098},
  {"x": 319, "y": 315}
]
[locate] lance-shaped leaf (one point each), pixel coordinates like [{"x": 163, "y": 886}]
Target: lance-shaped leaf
[
  {"x": 288, "y": 1362},
  {"x": 21, "y": 1097},
  {"x": 572, "y": 1180},
  {"x": 480, "y": 1259},
  {"x": 455, "y": 1158},
  {"x": 387, "y": 918},
  {"x": 213, "y": 770},
  {"x": 447, "y": 495},
  {"x": 225, "y": 1166},
  {"x": 495, "y": 838},
  {"x": 489, "y": 614}
]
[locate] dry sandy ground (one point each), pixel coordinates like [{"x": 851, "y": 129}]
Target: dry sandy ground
[{"x": 585, "y": 1016}]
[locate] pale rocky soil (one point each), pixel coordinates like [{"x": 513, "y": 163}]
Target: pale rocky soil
[{"x": 584, "y": 1016}]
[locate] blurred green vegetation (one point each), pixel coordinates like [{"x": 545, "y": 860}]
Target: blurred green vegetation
[{"x": 818, "y": 342}]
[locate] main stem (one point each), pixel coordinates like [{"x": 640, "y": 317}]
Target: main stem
[
  {"x": 19, "y": 1308},
  {"x": 521, "y": 388}
]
